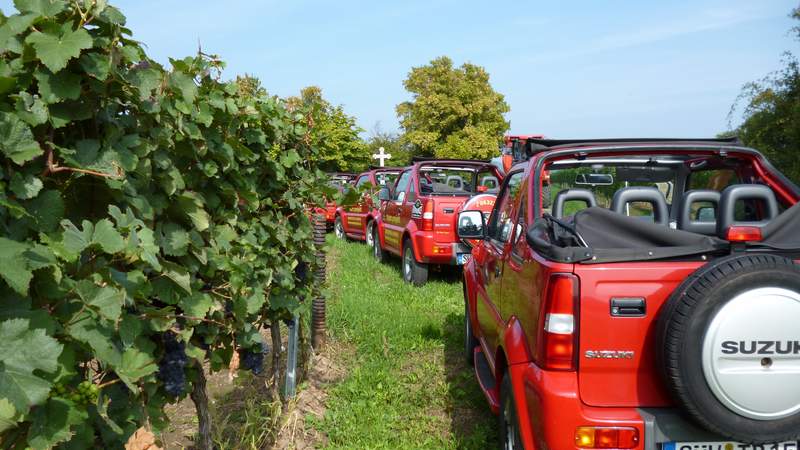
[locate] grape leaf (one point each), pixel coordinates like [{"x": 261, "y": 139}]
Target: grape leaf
[
  {"x": 96, "y": 65},
  {"x": 174, "y": 240},
  {"x": 31, "y": 109},
  {"x": 52, "y": 423},
  {"x": 25, "y": 186},
  {"x": 86, "y": 328},
  {"x": 192, "y": 205},
  {"x": 107, "y": 237},
  {"x": 196, "y": 305},
  {"x": 8, "y": 415},
  {"x": 16, "y": 139},
  {"x": 57, "y": 87},
  {"x": 134, "y": 366},
  {"x": 23, "y": 350},
  {"x": 75, "y": 240},
  {"x": 55, "y": 50},
  {"x": 47, "y": 8},
  {"x": 13, "y": 26},
  {"x": 14, "y": 266},
  {"x": 106, "y": 299},
  {"x": 47, "y": 210},
  {"x": 178, "y": 274}
]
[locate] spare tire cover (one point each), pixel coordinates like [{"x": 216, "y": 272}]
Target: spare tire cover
[{"x": 728, "y": 343}]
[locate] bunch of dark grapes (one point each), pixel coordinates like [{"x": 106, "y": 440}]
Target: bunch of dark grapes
[
  {"x": 300, "y": 271},
  {"x": 170, "y": 368},
  {"x": 86, "y": 393},
  {"x": 254, "y": 360}
]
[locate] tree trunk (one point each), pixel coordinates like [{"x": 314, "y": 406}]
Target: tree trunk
[{"x": 200, "y": 399}]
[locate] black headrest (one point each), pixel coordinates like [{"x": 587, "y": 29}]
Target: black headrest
[
  {"x": 642, "y": 194},
  {"x": 739, "y": 192},
  {"x": 685, "y": 220},
  {"x": 583, "y": 195}
]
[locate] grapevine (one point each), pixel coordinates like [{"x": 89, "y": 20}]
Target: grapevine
[{"x": 152, "y": 221}]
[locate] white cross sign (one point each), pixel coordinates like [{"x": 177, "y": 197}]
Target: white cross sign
[{"x": 381, "y": 156}]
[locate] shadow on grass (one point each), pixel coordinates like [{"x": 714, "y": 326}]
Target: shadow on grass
[
  {"x": 436, "y": 272},
  {"x": 473, "y": 424}
]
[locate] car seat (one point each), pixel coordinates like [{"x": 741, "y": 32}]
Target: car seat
[
  {"x": 583, "y": 195},
  {"x": 741, "y": 192},
  {"x": 685, "y": 220},
  {"x": 625, "y": 196}
]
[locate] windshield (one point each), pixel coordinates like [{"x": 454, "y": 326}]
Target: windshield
[{"x": 603, "y": 180}]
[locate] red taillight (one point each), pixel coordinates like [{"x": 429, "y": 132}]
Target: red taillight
[
  {"x": 606, "y": 437},
  {"x": 427, "y": 216},
  {"x": 744, "y": 234},
  {"x": 557, "y": 343}
]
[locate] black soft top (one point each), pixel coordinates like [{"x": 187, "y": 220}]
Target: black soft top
[{"x": 597, "y": 235}]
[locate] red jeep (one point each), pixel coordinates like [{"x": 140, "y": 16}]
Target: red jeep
[
  {"x": 652, "y": 303},
  {"x": 356, "y": 221},
  {"x": 418, "y": 214},
  {"x": 338, "y": 180}
]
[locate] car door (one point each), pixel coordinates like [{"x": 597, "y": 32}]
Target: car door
[
  {"x": 393, "y": 215},
  {"x": 356, "y": 212},
  {"x": 499, "y": 230}
]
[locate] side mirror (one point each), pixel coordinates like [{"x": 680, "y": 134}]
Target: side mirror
[
  {"x": 471, "y": 225},
  {"x": 385, "y": 193}
]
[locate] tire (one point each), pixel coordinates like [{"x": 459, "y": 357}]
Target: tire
[
  {"x": 338, "y": 228},
  {"x": 508, "y": 422},
  {"x": 741, "y": 310},
  {"x": 413, "y": 272},
  {"x": 369, "y": 238},
  {"x": 470, "y": 342},
  {"x": 377, "y": 250}
]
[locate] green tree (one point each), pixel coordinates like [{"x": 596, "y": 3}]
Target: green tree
[
  {"x": 771, "y": 115},
  {"x": 392, "y": 144},
  {"x": 454, "y": 113},
  {"x": 334, "y": 133}
]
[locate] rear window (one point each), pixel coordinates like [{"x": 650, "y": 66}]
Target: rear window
[
  {"x": 446, "y": 180},
  {"x": 386, "y": 178}
]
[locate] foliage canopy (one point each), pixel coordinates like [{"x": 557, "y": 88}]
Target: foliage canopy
[
  {"x": 454, "y": 113},
  {"x": 771, "y": 115}
]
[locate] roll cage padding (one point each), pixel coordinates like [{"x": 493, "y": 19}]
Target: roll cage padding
[
  {"x": 685, "y": 221},
  {"x": 567, "y": 195},
  {"x": 642, "y": 194},
  {"x": 726, "y": 216}
]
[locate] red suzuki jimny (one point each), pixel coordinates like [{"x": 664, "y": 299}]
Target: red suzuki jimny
[
  {"x": 418, "y": 213},
  {"x": 652, "y": 301}
]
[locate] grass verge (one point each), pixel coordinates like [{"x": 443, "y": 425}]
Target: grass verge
[{"x": 407, "y": 384}]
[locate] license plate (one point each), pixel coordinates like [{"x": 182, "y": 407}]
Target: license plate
[
  {"x": 789, "y": 445},
  {"x": 463, "y": 258}
]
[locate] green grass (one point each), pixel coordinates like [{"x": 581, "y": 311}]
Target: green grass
[{"x": 407, "y": 384}]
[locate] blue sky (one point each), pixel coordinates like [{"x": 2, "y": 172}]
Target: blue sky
[{"x": 601, "y": 68}]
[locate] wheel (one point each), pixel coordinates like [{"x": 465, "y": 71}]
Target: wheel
[
  {"x": 509, "y": 423},
  {"x": 377, "y": 250},
  {"x": 470, "y": 342},
  {"x": 338, "y": 228},
  {"x": 368, "y": 237},
  {"x": 413, "y": 272},
  {"x": 728, "y": 348}
]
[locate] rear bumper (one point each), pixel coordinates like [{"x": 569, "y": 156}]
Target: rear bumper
[
  {"x": 430, "y": 251},
  {"x": 550, "y": 411}
]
